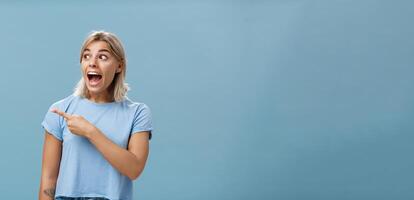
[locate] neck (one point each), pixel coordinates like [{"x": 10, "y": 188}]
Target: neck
[{"x": 100, "y": 98}]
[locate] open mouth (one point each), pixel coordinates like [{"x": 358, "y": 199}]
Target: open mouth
[{"x": 94, "y": 78}]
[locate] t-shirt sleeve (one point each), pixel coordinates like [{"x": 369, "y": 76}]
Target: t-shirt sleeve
[
  {"x": 142, "y": 120},
  {"x": 52, "y": 122}
]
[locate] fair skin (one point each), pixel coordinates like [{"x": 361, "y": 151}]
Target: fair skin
[{"x": 129, "y": 162}]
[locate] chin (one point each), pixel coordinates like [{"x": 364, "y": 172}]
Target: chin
[{"x": 95, "y": 90}]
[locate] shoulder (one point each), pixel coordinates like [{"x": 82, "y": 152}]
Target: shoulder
[
  {"x": 142, "y": 120},
  {"x": 65, "y": 102},
  {"x": 138, "y": 109},
  {"x": 138, "y": 106}
]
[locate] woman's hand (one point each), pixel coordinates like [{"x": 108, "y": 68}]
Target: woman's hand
[{"x": 76, "y": 123}]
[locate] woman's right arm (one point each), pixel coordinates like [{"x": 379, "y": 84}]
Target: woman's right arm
[{"x": 52, "y": 152}]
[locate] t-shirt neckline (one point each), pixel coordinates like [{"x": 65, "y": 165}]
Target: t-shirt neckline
[{"x": 100, "y": 104}]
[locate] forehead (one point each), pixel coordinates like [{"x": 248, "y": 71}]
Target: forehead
[{"x": 96, "y": 46}]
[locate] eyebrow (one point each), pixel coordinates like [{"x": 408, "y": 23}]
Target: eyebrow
[{"x": 100, "y": 50}]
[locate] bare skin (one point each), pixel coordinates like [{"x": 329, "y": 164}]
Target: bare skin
[
  {"x": 129, "y": 162},
  {"x": 52, "y": 149}
]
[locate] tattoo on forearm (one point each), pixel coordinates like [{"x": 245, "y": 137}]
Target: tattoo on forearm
[{"x": 50, "y": 192}]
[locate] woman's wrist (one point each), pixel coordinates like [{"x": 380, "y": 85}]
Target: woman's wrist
[{"x": 93, "y": 131}]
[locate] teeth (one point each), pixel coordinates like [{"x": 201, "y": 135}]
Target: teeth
[{"x": 93, "y": 73}]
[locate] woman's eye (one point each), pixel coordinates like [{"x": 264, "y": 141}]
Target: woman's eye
[
  {"x": 86, "y": 56},
  {"x": 103, "y": 57}
]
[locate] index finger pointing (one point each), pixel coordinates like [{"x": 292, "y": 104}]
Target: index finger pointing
[{"x": 61, "y": 113}]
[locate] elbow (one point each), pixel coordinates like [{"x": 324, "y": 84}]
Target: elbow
[
  {"x": 134, "y": 174},
  {"x": 132, "y": 177},
  {"x": 136, "y": 170},
  {"x": 49, "y": 178}
]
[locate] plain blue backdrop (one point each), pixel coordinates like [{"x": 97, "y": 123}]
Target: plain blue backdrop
[{"x": 263, "y": 100}]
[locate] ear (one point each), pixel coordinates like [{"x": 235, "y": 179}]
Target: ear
[{"x": 119, "y": 69}]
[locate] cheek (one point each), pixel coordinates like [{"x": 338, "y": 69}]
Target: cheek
[
  {"x": 83, "y": 67},
  {"x": 109, "y": 71},
  {"x": 109, "y": 77}
]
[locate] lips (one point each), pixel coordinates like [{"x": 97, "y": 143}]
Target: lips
[{"x": 94, "y": 78}]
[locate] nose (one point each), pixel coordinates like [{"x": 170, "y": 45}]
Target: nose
[{"x": 92, "y": 63}]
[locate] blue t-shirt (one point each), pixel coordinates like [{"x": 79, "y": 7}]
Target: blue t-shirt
[{"x": 84, "y": 172}]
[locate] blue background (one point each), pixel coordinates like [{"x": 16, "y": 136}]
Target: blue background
[{"x": 251, "y": 99}]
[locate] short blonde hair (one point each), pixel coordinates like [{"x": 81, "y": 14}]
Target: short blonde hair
[{"x": 118, "y": 87}]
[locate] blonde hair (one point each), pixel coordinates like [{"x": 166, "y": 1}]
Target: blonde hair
[{"x": 118, "y": 87}]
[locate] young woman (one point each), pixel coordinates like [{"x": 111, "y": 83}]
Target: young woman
[{"x": 96, "y": 140}]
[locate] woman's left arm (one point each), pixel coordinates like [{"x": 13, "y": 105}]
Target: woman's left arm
[{"x": 130, "y": 162}]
